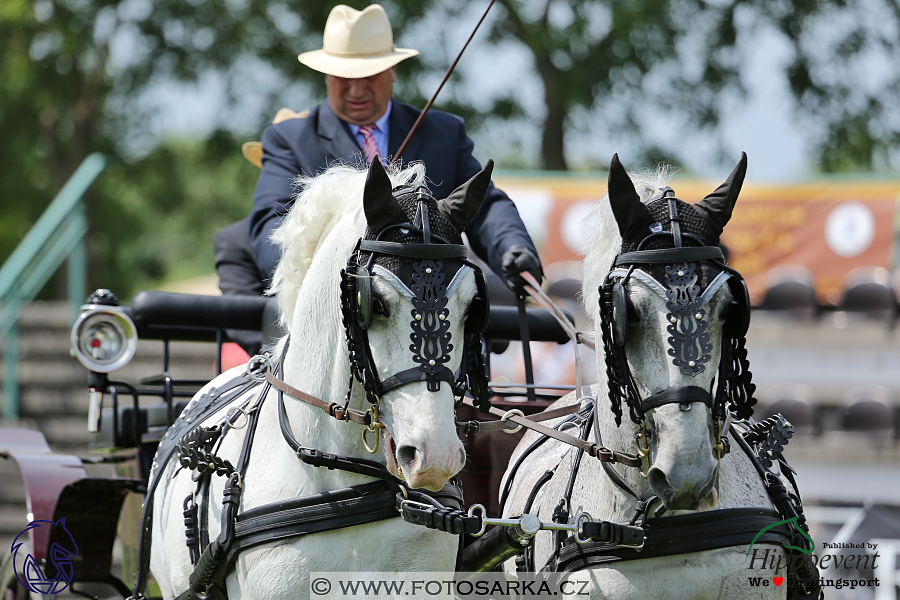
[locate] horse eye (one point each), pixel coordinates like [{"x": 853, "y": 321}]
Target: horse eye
[{"x": 379, "y": 307}]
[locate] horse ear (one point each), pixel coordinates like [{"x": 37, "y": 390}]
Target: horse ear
[
  {"x": 378, "y": 202},
  {"x": 461, "y": 206},
  {"x": 717, "y": 207},
  {"x": 632, "y": 216}
]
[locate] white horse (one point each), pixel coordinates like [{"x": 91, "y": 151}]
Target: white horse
[
  {"x": 666, "y": 354},
  {"x": 419, "y": 439}
]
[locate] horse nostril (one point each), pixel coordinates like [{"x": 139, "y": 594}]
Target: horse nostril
[
  {"x": 406, "y": 455},
  {"x": 658, "y": 481}
]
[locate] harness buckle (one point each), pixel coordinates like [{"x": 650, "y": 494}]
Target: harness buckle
[
  {"x": 339, "y": 412},
  {"x": 373, "y": 427}
]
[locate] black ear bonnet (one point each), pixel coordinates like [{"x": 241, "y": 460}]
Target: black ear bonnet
[
  {"x": 673, "y": 247},
  {"x": 422, "y": 254}
]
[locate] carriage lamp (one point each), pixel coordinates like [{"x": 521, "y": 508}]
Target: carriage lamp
[{"x": 104, "y": 339}]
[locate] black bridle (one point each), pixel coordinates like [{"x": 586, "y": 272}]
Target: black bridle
[
  {"x": 429, "y": 286},
  {"x": 679, "y": 268}
]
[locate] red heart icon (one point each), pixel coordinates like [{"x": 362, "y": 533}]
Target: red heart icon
[{"x": 778, "y": 580}]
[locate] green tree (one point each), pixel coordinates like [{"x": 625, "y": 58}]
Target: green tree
[
  {"x": 76, "y": 76},
  {"x": 73, "y": 74},
  {"x": 160, "y": 213},
  {"x": 602, "y": 63}
]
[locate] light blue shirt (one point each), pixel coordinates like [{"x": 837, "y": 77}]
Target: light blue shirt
[{"x": 380, "y": 134}]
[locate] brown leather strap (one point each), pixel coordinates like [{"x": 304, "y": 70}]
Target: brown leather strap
[
  {"x": 499, "y": 425},
  {"x": 332, "y": 408},
  {"x": 599, "y": 452}
]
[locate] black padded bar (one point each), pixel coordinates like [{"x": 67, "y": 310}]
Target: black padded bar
[
  {"x": 195, "y": 318},
  {"x": 542, "y": 327},
  {"x": 192, "y": 317}
]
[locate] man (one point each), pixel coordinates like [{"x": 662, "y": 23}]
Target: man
[{"x": 360, "y": 121}]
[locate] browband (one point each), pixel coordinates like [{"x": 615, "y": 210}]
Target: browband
[
  {"x": 670, "y": 255},
  {"x": 435, "y": 251}
]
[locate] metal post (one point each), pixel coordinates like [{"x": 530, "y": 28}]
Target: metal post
[
  {"x": 11, "y": 379},
  {"x": 76, "y": 265}
]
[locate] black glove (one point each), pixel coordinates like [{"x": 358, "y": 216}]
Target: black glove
[{"x": 520, "y": 258}]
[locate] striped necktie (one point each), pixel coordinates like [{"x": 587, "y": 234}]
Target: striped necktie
[{"x": 369, "y": 147}]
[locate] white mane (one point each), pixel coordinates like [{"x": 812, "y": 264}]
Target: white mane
[
  {"x": 323, "y": 201},
  {"x": 604, "y": 242}
]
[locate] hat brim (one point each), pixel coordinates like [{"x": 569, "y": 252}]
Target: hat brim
[
  {"x": 354, "y": 67},
  {"x": 253, "y": 152}
]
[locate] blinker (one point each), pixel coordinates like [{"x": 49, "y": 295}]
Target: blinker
[
  {"x": 620, "y": 314},
  {"x": 363, "y": 297}
]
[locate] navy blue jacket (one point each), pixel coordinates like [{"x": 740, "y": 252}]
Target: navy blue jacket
[{"x": 311, "y": 144}]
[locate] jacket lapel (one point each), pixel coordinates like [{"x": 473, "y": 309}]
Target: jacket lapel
[{"x": 337, "y": 141}]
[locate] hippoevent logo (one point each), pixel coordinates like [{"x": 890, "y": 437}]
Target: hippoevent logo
[
  {"x": 793, "y": 522},
  {"x": 32, "y": 576},
  {"x": 806, "y": 558}
]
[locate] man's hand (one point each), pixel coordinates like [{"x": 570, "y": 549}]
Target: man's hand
[{"x": 517, "y": 259}]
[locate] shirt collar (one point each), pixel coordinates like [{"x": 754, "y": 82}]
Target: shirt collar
[{"x": 381, "y": 124}]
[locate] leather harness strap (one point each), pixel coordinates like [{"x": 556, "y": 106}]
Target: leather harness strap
[
  {"x": 338, "y": 411},
  {"x": 432, "y": 251},
  {"x": 475, "y": 427},
  {"x": 601, "y": 453},
  {"x": 415, "y": 374},
  {"x": 666, "y": 536},
  {"x": 327, "y": 511},
  {"x": 508, "y": 421},
  {"x": 686, "y": 394},
  {"x": 296, "y": 517},
  {"x": 192, "y": 417},
  {"x": 670, "y": 255}
]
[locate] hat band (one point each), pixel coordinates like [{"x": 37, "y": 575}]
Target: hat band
[{"x": 359, "y": 54}]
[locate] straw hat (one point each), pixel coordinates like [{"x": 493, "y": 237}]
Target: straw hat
[
  {"x": 253, "y": 150},
  {"x": 356, "y": 44}
]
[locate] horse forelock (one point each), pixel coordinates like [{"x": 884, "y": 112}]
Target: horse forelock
[
  {"x": 604, "y": 241},
  {"x": 328, "y": 202}
]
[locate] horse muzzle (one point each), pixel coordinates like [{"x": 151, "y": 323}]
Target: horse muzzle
[
  {"x": 425, "y": 464},
  {"x": 684, "y": 473}
]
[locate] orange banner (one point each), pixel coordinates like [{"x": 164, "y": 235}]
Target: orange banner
[{"x": 830, "y": 226}]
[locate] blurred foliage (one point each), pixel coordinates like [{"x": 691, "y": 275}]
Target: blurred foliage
[
  {"x": 687, "y": 57},
  {"x": 71, "y": 75},
  {"x": 75, "y": 76},
  {"x": 154, "y": 219}
]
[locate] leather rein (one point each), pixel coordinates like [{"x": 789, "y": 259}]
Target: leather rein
[{"x": 510, "y": 421}]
